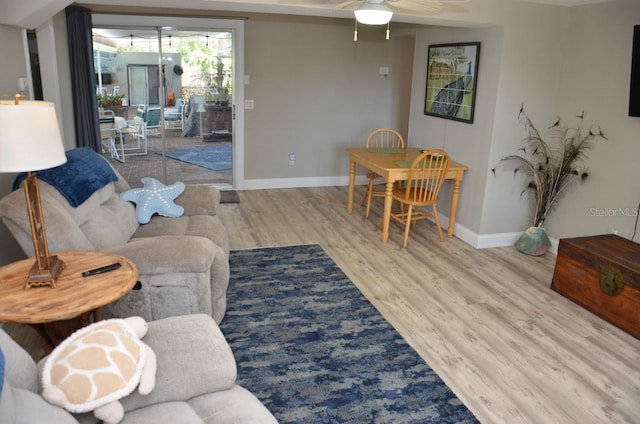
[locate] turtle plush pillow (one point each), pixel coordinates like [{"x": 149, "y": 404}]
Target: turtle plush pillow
[{"x": 98, "y": 365}]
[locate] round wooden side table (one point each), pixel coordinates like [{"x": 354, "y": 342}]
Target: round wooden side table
[{"x": 76, "y": 301}]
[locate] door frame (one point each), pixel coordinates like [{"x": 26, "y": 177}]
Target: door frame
[{"x": 236, "y": 27}]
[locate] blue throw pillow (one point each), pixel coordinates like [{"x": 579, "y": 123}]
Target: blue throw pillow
[{"x": 155, "y": 197}]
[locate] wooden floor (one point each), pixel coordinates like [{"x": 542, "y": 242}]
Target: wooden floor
[{"x": 485, "y": 320}]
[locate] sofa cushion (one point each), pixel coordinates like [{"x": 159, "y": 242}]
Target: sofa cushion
[
  {"x": 21, "y": 372},
  {"x": 31, "y": 408},
  {"x": 166, "y": 412},
  {"x": 153, "y": 198},
  {"x": 101, "y": 222},
  {"x": 193, "y": 359},
  {"x": 236, "y": 405},
  {"x": 7, "y": 403},
  {"x": 210, "y": 227}
]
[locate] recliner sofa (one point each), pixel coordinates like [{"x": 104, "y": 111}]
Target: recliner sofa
[
  {"x": 183, "y": 262},
  {"x": 195, "y": 382}
]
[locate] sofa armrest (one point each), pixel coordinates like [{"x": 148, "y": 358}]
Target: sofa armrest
[
  {"x": 193, "y": 359},
  {"x": 199, "y": 200},
  {"x": 169, "y": 254}
]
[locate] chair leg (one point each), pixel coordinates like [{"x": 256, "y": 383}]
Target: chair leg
[
  {"x": 437, "y": 219},
  {"x": 144, "y": 141},
  {"x": 407, "y": 227},
  {"x": 369, "y": 196},
  {"x": 367, "y": 192},
  {"x": 120, "y": 156},
  {"x": 114, "y": 150}
]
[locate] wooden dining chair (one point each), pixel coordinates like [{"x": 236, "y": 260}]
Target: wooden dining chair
[
  {"x": 382, "y": 138},
  {"x": 424, "y": 180}
]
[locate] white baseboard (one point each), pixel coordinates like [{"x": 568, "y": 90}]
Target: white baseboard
[
  {"x": 300, "y": 182},
  {"x": 479, "y": 241}
]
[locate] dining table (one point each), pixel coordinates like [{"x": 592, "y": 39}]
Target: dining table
[{"x": 393, "y": 165}]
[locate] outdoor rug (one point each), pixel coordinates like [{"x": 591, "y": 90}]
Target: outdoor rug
[
  {"x": 215, "y": 158},
  {"x": 313, "y": 349}
]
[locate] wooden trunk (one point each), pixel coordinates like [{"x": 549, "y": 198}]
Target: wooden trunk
[{"x": 602, "y": 274}]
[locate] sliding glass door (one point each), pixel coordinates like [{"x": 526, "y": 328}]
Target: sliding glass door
[{"x": 183, "y": 81}]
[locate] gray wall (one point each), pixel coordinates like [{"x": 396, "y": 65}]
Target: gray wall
[
  {"x": 13, "y": 67},
  {"x": 557, "y": 62},
  {"x": 316, "y": 92},
  {"x": 595, "y": 78}
]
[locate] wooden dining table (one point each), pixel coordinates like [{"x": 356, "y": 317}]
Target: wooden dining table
[{"x": 393, "y": 165}]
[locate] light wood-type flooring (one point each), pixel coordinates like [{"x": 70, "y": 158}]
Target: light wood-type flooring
[{"x": 486, "y": 321}]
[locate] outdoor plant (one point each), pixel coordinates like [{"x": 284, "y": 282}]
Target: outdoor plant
[
  {"x": 107, "y": 100},
  {"x": 550, "y": 167}
]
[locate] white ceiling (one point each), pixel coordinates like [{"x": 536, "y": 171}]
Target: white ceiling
[
  {"x": 29, "y": 15},
  {"x": 567, "y": 2}
]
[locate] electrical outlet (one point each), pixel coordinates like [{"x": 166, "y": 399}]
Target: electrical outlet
[{"x": 292, "y": 159}]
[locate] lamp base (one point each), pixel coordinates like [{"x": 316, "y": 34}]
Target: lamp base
[{"x": 44, "y": 277}]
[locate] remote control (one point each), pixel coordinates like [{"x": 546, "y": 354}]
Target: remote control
[{"x": 102, "y": 269}]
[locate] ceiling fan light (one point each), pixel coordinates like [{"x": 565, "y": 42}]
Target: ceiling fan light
[{"x": 373, "y": 14}]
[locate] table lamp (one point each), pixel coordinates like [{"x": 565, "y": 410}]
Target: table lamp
[{"x": 30, "y": 141}]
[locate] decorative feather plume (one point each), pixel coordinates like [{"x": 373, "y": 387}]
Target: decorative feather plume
[{"x": 550, "y": 168}]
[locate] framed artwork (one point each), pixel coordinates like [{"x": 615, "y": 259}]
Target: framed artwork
[{"x": 452, "y": 76}]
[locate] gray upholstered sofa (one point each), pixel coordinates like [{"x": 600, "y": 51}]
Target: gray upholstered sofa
[
  {"x": 183, "y": 262},
  {"x": 195, "y": 382}
]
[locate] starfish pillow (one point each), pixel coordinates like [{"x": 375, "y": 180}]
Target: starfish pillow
[{"x": 155, "y": 197}]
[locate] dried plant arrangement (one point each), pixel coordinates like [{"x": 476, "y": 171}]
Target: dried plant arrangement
[{"x": 550, "y": 167}]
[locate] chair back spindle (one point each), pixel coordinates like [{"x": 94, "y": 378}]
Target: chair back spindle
[
  {"x": 385, "y": 138},
  {"x": 424, "y": 180},
  {"x": 426, "y": 176}
]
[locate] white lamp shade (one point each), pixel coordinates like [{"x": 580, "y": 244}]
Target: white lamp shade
[
  {"x": 29, "y": 137},
  {"x": 373, "y": 14}
]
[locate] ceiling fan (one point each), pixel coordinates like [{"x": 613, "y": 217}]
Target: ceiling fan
[{"x": 379, "y": 12}]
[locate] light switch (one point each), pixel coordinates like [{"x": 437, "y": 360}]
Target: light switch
[
  {"x": 247, "y": 80},
  {"x": 248, "y": 104}
]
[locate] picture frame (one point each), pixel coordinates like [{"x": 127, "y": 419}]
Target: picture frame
[{"x": 452, "y": 79}]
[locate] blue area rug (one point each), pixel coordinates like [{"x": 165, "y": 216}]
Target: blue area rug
[
  {"x": 313, "y": 349},
  {"x": 216, "y": 158}
]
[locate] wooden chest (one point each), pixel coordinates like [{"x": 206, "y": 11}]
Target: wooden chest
[{"x": 602, "y": 274}]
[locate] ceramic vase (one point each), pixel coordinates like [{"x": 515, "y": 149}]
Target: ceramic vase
[{"x": 534, "y": 241}]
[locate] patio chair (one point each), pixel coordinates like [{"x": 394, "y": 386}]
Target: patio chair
[
  {"x": 137, "y": 130},
  {"x": 108, "y": 134},
  {"x": 173, "y": 116},
  {"x": 152, "y": 120}
]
